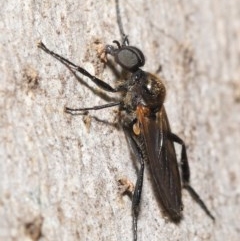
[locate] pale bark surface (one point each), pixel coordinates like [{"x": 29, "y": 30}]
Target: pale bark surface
[{"x": 58, "y": 173}]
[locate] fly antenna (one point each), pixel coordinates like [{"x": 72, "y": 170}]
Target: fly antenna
[{"x": 125, "y": 41}]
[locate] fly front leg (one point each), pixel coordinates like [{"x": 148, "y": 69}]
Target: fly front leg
[
  {"x": 125, "y": 40},
  {"x": 186, "y": 175},
  {"x": 101, "y": 84}
]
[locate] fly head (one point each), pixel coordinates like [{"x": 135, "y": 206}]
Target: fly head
[{"x": 129, "y": 58}]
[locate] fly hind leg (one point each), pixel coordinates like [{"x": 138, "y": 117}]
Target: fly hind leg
[
  {"x": 136, "y": 146},
  {"x": 186, "y": 175}
]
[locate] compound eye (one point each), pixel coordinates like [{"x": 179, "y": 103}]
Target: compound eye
[{"x": 130, "y": 58}]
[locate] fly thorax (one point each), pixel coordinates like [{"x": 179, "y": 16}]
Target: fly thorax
[
  {"x": 148, "y": 89},
  {"x": 153, "y": 92}
]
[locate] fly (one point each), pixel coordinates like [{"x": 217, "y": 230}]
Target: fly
[{"x": 147, "y": 128}]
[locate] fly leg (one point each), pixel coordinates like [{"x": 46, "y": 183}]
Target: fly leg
[
  {"x": 99, "y": 107},
  {"x": 137, "y": 193},
  {"x": 186, "y": 175},
  {"x": 136, "y": 146},
  {"x": 101, "y": 84},
  {"x": 125, "y": 41}
]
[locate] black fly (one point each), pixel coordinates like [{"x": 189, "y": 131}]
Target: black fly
[{"x": 146, "y": 125}]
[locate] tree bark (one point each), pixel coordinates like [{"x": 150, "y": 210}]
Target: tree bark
[{"x": 59, "y": 173}]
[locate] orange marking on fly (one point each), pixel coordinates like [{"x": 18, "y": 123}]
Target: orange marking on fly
[
  {"x": 141, "y": 111},
  {"x": 136, "y": 129}
]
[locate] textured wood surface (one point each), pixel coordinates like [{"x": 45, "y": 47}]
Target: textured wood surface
[{"x": 58, "y": 173}]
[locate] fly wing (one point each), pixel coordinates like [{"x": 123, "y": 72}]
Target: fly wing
[{"x": 162, "y": 160}]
